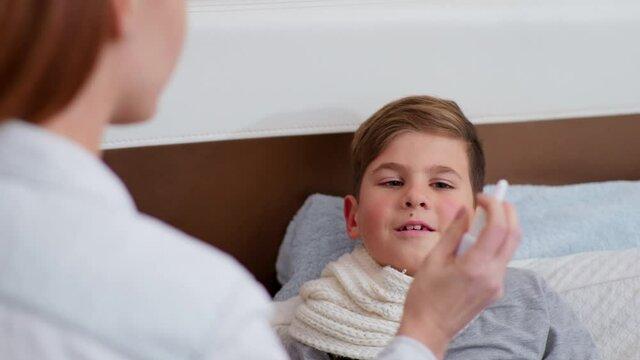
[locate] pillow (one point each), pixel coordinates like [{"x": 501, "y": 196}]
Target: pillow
[
  {"x": 316, "y": 236},
  {"x": 555, "y": 221},
  {"x": 603, "y": 288}
]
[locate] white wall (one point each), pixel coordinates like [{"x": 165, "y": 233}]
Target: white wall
[{"x": 267, "y": 68}]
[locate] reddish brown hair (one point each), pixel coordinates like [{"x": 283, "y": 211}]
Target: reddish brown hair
[
  {"x": 420, "y": 114},
  {"x": 48, "y": 49}
]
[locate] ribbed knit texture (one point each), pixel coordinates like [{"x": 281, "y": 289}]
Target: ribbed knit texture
[{"x": 353, "y": 309}]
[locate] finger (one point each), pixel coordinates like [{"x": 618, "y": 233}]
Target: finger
[
  {"x": 513, "y": 237},
  {"x": 450, "y": 240},
  {"x": 493, "y": 235}
]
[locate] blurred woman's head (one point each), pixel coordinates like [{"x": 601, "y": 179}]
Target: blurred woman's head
[{"x": 52, "y": 50}]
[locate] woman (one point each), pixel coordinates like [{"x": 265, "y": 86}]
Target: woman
[{"x": 83, "y": 274}]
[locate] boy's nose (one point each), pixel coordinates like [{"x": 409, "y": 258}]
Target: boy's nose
[
  {"x": 411, "y": 204},
  {"x": 414, "y": 201},
  {"x": 415, "y": 196}
]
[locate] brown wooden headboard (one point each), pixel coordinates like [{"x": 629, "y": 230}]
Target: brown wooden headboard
[{"x": 240, "y": 195}]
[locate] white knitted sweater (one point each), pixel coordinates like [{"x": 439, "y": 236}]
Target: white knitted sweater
[{"x": 353, "y": 309}]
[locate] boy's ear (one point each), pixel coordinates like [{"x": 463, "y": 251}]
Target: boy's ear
[{"x": 350, "y": 211}]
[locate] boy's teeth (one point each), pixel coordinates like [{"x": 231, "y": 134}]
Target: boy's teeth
[{"x": 413, "y": 227}]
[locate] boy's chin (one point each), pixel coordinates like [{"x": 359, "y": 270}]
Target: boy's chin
[
  {"x": 406, "y": 268},
  {"x": 414, "y": 262}
]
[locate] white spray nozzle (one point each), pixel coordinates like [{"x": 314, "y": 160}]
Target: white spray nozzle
[
  {"x": 501, "y": 190},
  {"x": 480, "y": 220}
]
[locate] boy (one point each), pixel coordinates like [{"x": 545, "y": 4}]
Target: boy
[{"x": 416, "y": 162}]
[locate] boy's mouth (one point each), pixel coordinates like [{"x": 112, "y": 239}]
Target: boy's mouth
[{"x": 415, "y": 226}]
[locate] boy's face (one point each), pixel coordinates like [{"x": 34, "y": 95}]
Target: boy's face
[{"x": 408, "y": 197}]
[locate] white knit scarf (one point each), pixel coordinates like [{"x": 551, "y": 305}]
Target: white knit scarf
[{"x": 353, "y": 309}]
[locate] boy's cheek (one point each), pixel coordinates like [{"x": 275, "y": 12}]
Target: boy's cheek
[
  {"x": 448, "y": 211},
  {"x": 375, "y": 205}
]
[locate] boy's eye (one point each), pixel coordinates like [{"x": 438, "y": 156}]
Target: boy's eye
[
  {"x": 392, "y": 183},
  {"x": 441, "y": 185}
]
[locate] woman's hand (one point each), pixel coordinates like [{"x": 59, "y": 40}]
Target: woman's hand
[{"x": 449, "y": 291}]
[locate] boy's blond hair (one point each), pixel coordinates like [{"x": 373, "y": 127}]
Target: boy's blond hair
[{"x": 418, "y": 114}]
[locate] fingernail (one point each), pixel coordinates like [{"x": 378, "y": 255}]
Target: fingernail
[{"x": 460, "y": 214}]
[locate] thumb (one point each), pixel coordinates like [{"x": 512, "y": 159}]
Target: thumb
[{"x": 448, "y": 244}]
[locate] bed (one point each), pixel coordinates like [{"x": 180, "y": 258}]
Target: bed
[{"x": 261, "y": 111}]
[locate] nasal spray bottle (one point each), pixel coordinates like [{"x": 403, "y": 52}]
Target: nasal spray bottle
[{"x": 480, "y": 219}]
